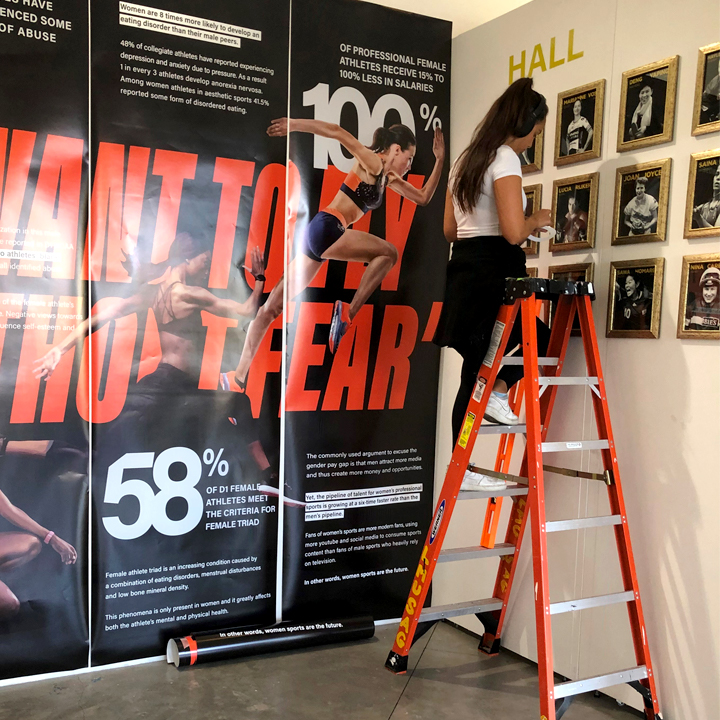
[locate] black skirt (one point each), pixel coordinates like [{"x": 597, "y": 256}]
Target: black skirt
[{"x": 475, "y": 289}]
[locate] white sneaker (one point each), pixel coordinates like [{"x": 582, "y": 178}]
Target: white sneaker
[
  {"x": 478, "y": 481},
  {"x": 498, "y": 410}
]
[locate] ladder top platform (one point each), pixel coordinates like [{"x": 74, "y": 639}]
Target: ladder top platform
[{"x": 544, "y": 289}]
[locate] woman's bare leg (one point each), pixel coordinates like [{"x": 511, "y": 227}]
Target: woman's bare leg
[
  {"x": 301, "y": 271},
  {"x": 16, "y": 549},
  {"x": 9, "y": 604},
  {"x": 358, "y": 246}
]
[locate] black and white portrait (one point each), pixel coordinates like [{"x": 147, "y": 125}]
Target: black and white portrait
[
  {"x": 636, "y": 290},
  {"x": 705, "y": 214},
  {"x": 579, "y": 123},
  {"x": 574, "y": 212},
  {"x": 699, "y": 315},
  {"x": 533, "y": 199},
  {"x": 707, "y": 91},
  {"x": 531, "y": 160},
  {"x": 647, "y": 105}
]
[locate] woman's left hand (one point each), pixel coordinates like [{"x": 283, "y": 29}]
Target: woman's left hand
[
  {"x": 257, "y": 262},
  {"x": 278, "y": 127},
  {"x": 439, "y": 144}
]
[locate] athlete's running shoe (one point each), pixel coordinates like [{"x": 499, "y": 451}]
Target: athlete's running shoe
[
  {"x": 340, "y": 324},
  {"x": 498, "y": 410},
  {"x": 477, "y": 481}
]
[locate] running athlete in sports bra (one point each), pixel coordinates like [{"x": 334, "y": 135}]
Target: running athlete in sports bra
[
  {"x": 579, "y": 134},
  {"x": 327, "y": 237}
]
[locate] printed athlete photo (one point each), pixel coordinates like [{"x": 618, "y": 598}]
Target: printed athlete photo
[
  {"x": 710, "y": 97},
  {"x": 633, "y": 299},
  {"x": 576, "y": 127},
  {"x": 639, "y": 205},
  {"x": 573, "y": 206},
  {"x": 706, "y": 196},
  {"x": 645, "y": 106},
  {"x": 702, "y": 301},
  {"x": 328, "y": 236}
]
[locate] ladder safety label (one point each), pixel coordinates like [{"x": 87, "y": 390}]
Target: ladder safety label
[
  {"x": 436, "y": 522},
  {"x": 494, "y": 343},
  {"x": 573, "y": 446},
  {"x": 467, "y": 429},
  {"x": 479, "y": 389}
]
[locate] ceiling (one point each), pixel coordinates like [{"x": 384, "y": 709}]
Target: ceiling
[{"x": 464, "y": 14}]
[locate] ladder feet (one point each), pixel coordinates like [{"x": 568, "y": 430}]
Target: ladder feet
[
  {"x": 489, "y": 644},
  {"x": 396, "y": 664}
]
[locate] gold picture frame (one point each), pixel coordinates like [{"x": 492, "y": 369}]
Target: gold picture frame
[
  {"x": 532, "y": 272},
  {"x": 575, "y": 229},
  {"x": 702, "y": 207},
  {"x": 647, "y": 93},
  {"x": 584, "y": 271},
  {"x": 570, "y": 128},
  {"x": 640, "y": 208},
  {"x": 699, "y": 320},
  {"x": 532, "y": 159},
  {"x": 533, "y": 193},
  {"x": 706, "y": 111},
  {"x": 634, "y": 308}
]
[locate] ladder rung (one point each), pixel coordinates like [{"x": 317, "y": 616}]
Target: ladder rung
[
  {"x": 471, "y": 553},
  {"x": 463, "y": 608},
  {"x": 519, "y": 360},
  {"x": 492, "y": 429},
  {"x": 581, "y": 523},
  {"x": 485, "y": 494},
  {"x": 598, "y": 601},
  {"x": 575, "y": 687},
  {"x": 578, "y": 445},
  {"x": 560, "y": 380}
]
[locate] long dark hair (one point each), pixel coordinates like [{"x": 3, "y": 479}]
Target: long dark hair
[
  {"x": 509, "y": 116},
  {"x": 398, "y": 134}
]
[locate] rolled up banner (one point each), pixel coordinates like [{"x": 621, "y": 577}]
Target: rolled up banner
[{"x": 243, "y": 642}]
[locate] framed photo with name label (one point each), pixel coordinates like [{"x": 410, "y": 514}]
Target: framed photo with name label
[
  {"x": 574, "y": 212},
  {"x": 635, "y": 298},
  {"x": 702, "y": 209},
  {"x": 533, "y": 194},
  {"x": 532, "y": 159},
  {"x": 647, "y": 105},
  {"x": 706, "y": 112},
  {"x": 641, "y": 202},
  {"x": 578, "y": 129},
  {"x": 699, "y": 313}
]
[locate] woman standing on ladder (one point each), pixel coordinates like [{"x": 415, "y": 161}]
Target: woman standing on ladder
[
  {"x": 327, "y": 237},
  {"x": 485, "y": 220}
]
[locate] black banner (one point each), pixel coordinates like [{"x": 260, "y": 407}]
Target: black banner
[
  {"x": 187, "y": 190},
  {"x": 361, "y": 409},
  {"x": 43, "y": 432}
]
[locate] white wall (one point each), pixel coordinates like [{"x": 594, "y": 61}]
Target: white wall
[{"x": 664, "y": 394}]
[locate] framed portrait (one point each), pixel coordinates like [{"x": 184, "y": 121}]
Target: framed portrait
[
  {"x": 702, "y": 209},
  {"x": 574, "y": 212},
  {"x": 533, "y": 193},
  {"x": 641, "y": 202},
  {"x": 635, "y": 298},
  {"x": 532, "y": 272},
  {"x": 699, "y": 313},
  {"x": 706, "y": 113},
  {"x": 579, "y": 271},
  {"x": 532, "y": 159},
  {"x": 647, "y": 105},
  {"x": 578, "y": 129}
]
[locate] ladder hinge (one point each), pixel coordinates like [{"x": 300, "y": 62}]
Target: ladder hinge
[{"x": 609, "y": 480}]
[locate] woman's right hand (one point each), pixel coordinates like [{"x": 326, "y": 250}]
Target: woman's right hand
[
  {"x": 47, "y": 363},
  {"x": 67, "y": 552},
  {"x": 540, "y": 219},
  {"x": 279, "y": 127}
]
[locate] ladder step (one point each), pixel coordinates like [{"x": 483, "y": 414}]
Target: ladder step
[
  {"x": 465, "y": 608},
  {"x": 598, "y": 601},
  {"x": 471, "y": 553},
  {"x": 577, "y": 445},
  {"x": 575, "y": 687},
  {"x": 492, "y": 429},
  {"x": 485, "y": 494},
  {"x": 519, "y": 360},
  {"x": 559, "y": 380},
  {"x": 581, "y": 523}
]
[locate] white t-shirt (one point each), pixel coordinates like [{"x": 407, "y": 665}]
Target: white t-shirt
[{"x": 483, "y": 220}]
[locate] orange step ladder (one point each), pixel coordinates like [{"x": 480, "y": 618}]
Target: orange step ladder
[{"x": 528, "y": 495}]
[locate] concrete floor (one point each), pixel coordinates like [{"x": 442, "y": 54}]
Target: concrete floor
[{"x": 449, "y": 679}]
